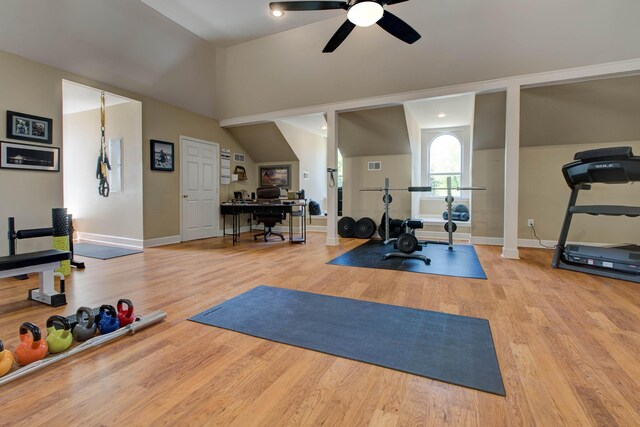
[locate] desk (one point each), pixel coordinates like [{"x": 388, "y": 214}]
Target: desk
[{"x": 295, "y": 208}]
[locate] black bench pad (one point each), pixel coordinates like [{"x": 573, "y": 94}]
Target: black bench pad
[{"x": 12, "y": 262}]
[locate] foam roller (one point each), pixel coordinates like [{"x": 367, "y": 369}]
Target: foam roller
[{"x": 60, "y": 222}]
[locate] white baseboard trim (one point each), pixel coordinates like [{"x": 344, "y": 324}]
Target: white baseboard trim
[
  {"x": 123, "y": 242},
  {"x": 321, "y": 228},
  {"x": 529, "y": 243},
  {"x": 229, "y": 231},
  {"x": 335, "y": 241},
  {"x": 161, "y": 241},
  {"x": 481, "y": 240}
]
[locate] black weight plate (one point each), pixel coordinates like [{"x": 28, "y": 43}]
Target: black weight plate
[
  {"x": 407, "y": 243},
  {"x": 454, "y": 227},
  {"x": 384, "y": 198},
  {"x": 346, "y": 226},
  {"x": 365, "y": 227}
]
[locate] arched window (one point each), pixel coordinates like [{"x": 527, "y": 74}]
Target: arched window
[{"x": 445, "y": 159}]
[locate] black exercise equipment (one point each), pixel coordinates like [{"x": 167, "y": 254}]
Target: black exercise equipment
[
  {"x": 395, "y": 224},
  {"x": 365, "y": 227},
  {"x": 15, "y": 235},
  {"x": 43, "y": 262},
  {"x": 386, "y": 198},
  {"x": 346, "y": 226},
  {"x": 615, "y": 165},
  {"x": 407, "y": 243}
]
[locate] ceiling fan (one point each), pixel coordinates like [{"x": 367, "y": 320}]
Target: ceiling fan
[{"x": 361, "y": 13}]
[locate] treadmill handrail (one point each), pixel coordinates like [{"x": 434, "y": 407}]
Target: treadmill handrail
[{"x": 611, "y": 210}]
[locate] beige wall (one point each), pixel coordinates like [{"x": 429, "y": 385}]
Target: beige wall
[
  {"x": 29, "y": 88},
  {"x": 92, "y": 212},
  {"x": 358, "y": 204},
  {"x": 162, "y": 189},
  {"x": 34, "y": 88},
  {"x": 544, "y": 196},
  {"x": 488, "y": 206}
]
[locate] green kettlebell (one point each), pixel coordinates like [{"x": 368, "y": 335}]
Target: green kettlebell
[{"x": 58, "y": 339}]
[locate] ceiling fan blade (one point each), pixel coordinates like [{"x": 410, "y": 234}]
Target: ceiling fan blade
[
  {"x": 398, "y": 28},
  {"x": 388, "y": 2},
  {"x": 307, "y": 5},
  {"x": 339, "y": 36}
]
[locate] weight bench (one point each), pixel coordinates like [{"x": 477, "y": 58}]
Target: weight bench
[{"x": 44, "y": 263}]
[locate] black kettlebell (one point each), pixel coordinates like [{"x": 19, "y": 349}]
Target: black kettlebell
[{"x": 85, "y": 328}]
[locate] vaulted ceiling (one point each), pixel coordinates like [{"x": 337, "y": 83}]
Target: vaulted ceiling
[{"x": 228, "y": 58}]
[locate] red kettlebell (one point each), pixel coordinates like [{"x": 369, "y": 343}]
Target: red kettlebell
[
  {"x": 32, "y": 347},
  {"x": 127, "y": 316}
]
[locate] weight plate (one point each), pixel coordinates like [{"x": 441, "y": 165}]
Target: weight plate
[
  {"x": 407, "y": 243},
  {"x": 365, "y": 227},
  {"x": 346, "y": 226},
  {"x": 454, "y": 227},
  {"x": 384, "y": 198}
]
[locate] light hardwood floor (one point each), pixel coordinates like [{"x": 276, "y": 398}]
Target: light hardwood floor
[{"x": 567, "y": 344}]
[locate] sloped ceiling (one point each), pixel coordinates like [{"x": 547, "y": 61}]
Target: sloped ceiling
[
  {"x": 264, "y": 142},
  {"x": 489, "y": 121},
  {"x": 606, "y": 110},
  {"x": 123, "y": 43},
  {"x": 374, "y": 132},
  {"x": 596, "y": 111}
]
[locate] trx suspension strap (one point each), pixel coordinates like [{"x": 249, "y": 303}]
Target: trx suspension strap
[{"x": 103, "y": 160}]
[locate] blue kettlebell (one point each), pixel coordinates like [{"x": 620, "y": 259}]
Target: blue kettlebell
[{"x": 108, "y": 319}]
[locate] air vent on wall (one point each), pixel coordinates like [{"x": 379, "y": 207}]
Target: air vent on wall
[
  {"x": 238, "y": 157},
  {"x": 375, "y": 166}
]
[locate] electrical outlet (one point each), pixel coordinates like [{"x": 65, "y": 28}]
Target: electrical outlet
[{"x": 530, "y": 223}]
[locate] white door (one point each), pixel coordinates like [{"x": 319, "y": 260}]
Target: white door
[{"x": 200, "y": 188}]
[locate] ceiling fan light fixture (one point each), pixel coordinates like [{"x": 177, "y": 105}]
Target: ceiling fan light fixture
[
  {"x": 365, "y": 13},
  {"x": 276, "y": 12}
]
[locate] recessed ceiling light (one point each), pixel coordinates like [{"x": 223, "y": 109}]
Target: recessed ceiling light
[
  {"x": 324, "y": 127},
  {"x": 441, "y": 115},
  {"x": 277, "y": 13}
]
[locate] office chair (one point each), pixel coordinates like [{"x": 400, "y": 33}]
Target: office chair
[{"x": 269, "y": 219}]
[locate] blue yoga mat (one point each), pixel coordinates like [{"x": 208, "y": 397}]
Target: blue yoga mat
[
  {"x": 462, "y": 261},
  {"x": 92, "y": 250},
  {"x": 455, "y": 349}
]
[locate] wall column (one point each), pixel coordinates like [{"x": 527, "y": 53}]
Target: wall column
[
  {"x": 511, "y": 173},
  {"x": 332, "y": 186}
]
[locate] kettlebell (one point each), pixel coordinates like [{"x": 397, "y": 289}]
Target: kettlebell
[
  {"x": 6, "y": 360},
  {"x": 84, "y": 329},
  {"x": 127, "y": 316},
  {"x": 58, "y": 339},
  {"x": 108, "y": 319},
  {"x": 32, "y": 347}
]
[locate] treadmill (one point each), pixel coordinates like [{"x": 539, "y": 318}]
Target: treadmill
[{"x": 615, "y": 165}]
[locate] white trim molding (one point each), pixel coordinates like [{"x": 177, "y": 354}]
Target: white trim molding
[
  {"x": 123, "y": 242},
  {"x": 161, "y": 241}
]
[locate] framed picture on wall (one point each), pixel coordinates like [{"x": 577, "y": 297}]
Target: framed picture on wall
[
  {"x": 26, "y": 127},
  {"x": 275, "y": 175},
  {"x": 30, "y": 157},
  {"x": 162, "y": 156}
]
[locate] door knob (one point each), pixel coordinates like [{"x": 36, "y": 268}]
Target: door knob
[{"x": 185, "y": 196}]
